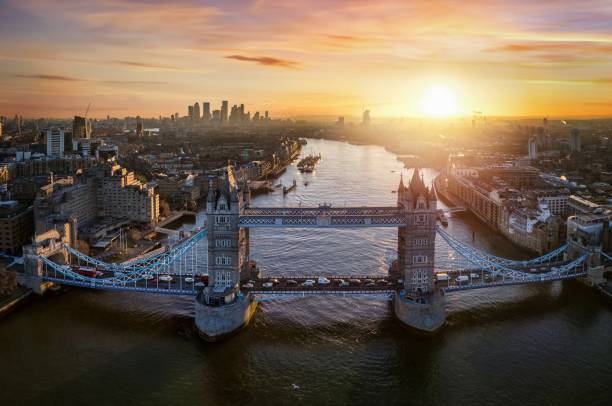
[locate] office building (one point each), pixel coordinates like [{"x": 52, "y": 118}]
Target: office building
[
  {"x": 16, "y": 226},
  {"x": 103, "y": 191},
  {"x": 365, "y": 121},
  {"x": 139, "y": 129},
  {"x": 54, "y": 137},
  {"x": 196, "y": 111},
  {"x": 575, "y": 144},
  {"x": 532, "y": 147},
  {"x": 206, "y": 115},
  {"x": 81, "y": 128},
  {"x": 224, "y": 112},
  {"x": 190, "y": 112}
]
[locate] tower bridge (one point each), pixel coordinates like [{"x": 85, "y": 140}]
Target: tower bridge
[{"x": 226, "y": 290}]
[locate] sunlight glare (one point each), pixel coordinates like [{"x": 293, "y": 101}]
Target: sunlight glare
[{"x": 439, "y": 101}]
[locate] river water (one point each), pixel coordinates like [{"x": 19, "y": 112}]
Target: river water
[{"x": 540, "y": 344}]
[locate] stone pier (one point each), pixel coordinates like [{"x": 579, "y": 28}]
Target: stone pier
[
  {"x": 215, "y": 323},
  {"x": 425, "y": 317}
]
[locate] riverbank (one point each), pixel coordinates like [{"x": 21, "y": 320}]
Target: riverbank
[{"x": 10, "y": 303}]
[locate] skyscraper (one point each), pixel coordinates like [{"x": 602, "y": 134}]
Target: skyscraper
[
  {"x": 139, "y": 129},
  {"x": 81, "y": 128},
  {"x": 206, "y": 107},
  {"x": 532, "y": 146},
  {"x": 54, "y": 137},
  {"x": 196, "y": 111},
  {"x": 224, "y": 112},
  {"x": 575, "y": 144},
  {"x": 190, "y": 112},
  {"x": 365, "y": 120},
  {"x": 216, "y": 116}
]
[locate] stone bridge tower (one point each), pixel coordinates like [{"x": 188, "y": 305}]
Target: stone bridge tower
[
  {"x": 221, "y": 308},
  {"x": 419, "y": 304}
]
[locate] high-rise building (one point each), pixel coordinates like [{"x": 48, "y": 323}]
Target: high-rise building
[
  {"x": 0, "y": 128},
  {"x": 206, "y": 107},
  {"x": 575, "y": 144},
  {"x": 139, "y": 129},
  {"x": 190, "y": 112},
  {"x": 340, "y": 122},
  {"x": 54, "y": 138},
  {"x": 256, "y": 117},
  {"x": 196, "y": 111},
  {"x": 365, "y": 120},
  {"x": 81, "y": 127},
  {"x": 532, "y": 146},
  {"x": 224, "y": 112},
  {"x": 541, "y": 136},
  {"x": 216, "y": 116}
]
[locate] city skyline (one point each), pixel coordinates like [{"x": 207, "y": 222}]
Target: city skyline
[{"x": 393, "y": 58}]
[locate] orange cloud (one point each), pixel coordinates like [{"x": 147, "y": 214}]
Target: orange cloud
[
  {"x": 266, "y": 60},
  {"x": 50, "y": 77},
  {"x": 147, "y": 65}
]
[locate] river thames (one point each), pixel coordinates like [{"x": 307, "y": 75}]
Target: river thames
[{"x": 537, "y": 344}]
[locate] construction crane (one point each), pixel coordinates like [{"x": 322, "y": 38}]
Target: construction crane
[{"x": 87, "y": 111}]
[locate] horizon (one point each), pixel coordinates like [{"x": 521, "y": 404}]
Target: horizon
[{"x": 423, "y": 59}]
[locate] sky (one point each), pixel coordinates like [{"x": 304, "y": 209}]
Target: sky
[{"x": 305, "y": 58}]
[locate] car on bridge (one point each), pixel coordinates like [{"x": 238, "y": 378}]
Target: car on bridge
[
  {"x": 323, "y": 281},
  {"x": 267, "y": 285},
  {"x": 308, "y": 282}
]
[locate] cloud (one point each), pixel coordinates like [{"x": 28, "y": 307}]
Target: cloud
[
  {"x": 71, "y": 79},
  {"x": 50, "y": 77},
  {"x": 146, "y": 65},
  {"x": 544, "y": 46},
  {"x": 266, "y": 60}
]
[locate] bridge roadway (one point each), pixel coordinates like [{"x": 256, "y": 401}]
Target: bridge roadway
[
  {"x": 322, "y": 216},
  {"x": 176, "y": 283}
]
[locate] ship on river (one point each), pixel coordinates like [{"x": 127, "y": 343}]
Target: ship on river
[{"x": 308, "y": 163}]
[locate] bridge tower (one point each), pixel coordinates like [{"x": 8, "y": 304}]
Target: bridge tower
[
  {"x": 586, "y": 234},
  {"x": 221, "y": 309},
  {"x": 419, "y": 305}
]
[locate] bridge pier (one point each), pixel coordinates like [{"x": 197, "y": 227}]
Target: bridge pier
[
  {"x": 215, "y": 323},
  {"x": 427, "y": 317}
]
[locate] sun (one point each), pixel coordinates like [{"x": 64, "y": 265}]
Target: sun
[{"x": 439, "y": 101}]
